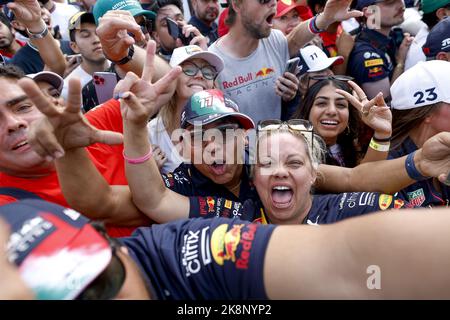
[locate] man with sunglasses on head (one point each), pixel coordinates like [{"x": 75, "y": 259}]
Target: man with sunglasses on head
[
  {"x": 255, "y": 54},
  {"x": 84, "y": 41}
]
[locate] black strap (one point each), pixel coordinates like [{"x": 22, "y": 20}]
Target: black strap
[{"x": 18, "y": 193}]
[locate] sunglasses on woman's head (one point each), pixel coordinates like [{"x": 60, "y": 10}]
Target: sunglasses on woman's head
[{"x": 294, "y": 125}]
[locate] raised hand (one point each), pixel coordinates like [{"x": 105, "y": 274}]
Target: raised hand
[
  {"x": 433, "y": 159},
  {"x": 150, "y": 95},
  {"x": 336, "y": 10},
  {"x": 374, "y": 113},
  {"x": 117, "y": 31},
  {"x": 62, "y": 128},
  {"x": 28, "y": 12}
]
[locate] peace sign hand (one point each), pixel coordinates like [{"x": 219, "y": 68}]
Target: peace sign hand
[
  {"x": 62, "y": 128},
  {"x": 374, "y": 113}
]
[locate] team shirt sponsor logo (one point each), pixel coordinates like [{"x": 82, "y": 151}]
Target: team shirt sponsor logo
[
  {"x": 195, "y": 252},
  {"x": 373, "y": 63},
  {"x": 416, "y": 198},
  {"x": 265, "y": 72},
  {"x": 384, "y": 201}
]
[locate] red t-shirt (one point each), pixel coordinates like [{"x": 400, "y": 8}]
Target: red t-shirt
[
  {"x": 108, "y": 160},
  {"x": 9, "y": 54}
]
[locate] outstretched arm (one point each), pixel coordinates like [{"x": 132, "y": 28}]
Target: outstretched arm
[
  {"x": 147, "y": 187},
  {"x": 389, "y": 176},
  {"x": 335, "y": 10},
  {"x": 62, "y": 136},
  {"x": 341, "y": 261}
]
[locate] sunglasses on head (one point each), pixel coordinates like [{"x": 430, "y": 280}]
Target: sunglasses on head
[
  {"x": 108, "y": 284},
  {"x": 191, "y": 69},
  {"x": 304, "y": 127},
  {"x": 329, "y": 77}
]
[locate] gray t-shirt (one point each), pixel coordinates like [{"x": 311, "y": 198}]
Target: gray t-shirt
[{"x": 250, "y": 81}]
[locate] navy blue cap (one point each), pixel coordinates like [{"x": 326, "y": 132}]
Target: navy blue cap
[
  {"x": 438, "y": 39},
  {"x": 365, "y": 3}
]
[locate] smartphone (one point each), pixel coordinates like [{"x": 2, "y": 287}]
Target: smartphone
[
  {"x": 104, "y": 83},
  {"x": 292, "y": 64},
  {"x": 176, "y": 32},
  {"x": 77, "y": 57},
  {"x": 397, "y": 35},
  {"x": 351, "y": 26}
]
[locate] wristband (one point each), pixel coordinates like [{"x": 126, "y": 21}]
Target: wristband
[
  {"x": 313, "y": 27},
  {"x": 39, "y": 35},
  {"x": 125, "y": 59},
  {"x": 140, "y": 159},
  {"x": 411, "y": 169},
  {"x": 381, "y": 140},
  {"x": 379, "y": 147}
]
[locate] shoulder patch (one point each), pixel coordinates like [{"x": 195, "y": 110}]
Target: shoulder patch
[{"x": 373, "y": 62}]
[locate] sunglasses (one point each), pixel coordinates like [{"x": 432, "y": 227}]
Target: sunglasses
[
  {"x": 191, "y": 69},
  {"x": 304, "y": 127},
  {"x": 329, "y": 77},
  {"x": 108, "y": 284}
]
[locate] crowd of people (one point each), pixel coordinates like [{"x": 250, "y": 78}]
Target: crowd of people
[{"x": 143, "y": 156}]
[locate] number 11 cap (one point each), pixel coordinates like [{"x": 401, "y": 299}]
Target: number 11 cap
[{"x": 424, "y": 84}]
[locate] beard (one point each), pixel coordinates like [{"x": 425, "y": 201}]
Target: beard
[
  {"x": 209, "y": 15},
  {"x": 257, "y": 31},
  {"x": 6, "y": 42}
]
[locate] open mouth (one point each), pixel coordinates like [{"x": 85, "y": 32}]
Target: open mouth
[
  {"x": 20, "y": 145},
  {"x": 197, "y": 86},
  {"x": 329, "y": 123},
  {"x": 218, "y": 169},
  {"x": 269, "y": 19},
  {"x": 282, "y": 196}
]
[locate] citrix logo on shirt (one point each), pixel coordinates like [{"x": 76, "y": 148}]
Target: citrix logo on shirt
[
  {"x": 261, "y": 74},
  {"x": 195, "y": 251}
]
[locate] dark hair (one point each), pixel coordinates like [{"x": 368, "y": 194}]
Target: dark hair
[
  {"x": 403, "y": 121},
  {"x": 5, "y": 20},
  {"x": 10, "y": 71},
  {"x": 313, "y": 3},
  {"x": 346, "y": 140},
  {"x": 430, "y": 19},
  {"x": 158, "y": 4}
]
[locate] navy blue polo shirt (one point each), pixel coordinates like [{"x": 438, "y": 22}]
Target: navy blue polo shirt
[
  {"x": 325, "y": 209},
  {"x": 372, "y": 58},
  {"x": 422, "y": 193},
  {"x": 188, "y": 181},
  {"x": 202, "y": 258},
  {"x": 209, "y": 32}
]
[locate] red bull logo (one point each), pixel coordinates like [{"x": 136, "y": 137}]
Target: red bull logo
[
  {"x": 264, "y": 72},
  {"x": 237, "y": 81},
  {"x": 210, "y": 201},
  {"x": 398, "y": 203},
  {"x": 224, "y": 243}
]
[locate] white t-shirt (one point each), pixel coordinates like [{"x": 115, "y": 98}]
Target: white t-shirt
[
  {"x": 250, "y": 81},
  {"x": 61, "y": 16},
  {"x": 79, "y": 73},
  {"x": 415, "y": 53},
  {"x": 159, "y": 136}
]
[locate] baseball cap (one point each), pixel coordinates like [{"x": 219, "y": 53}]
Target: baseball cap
[
  {"x": 424, "y": 84},
  {"x": 223, "y": 29},
  {"x": 284, "y": 6},
  {"x": 182, "y": 54},
  {"x": 58, "y": 253},
  {"x": 438, "y": 39},
  {"x": 80, "y": 17},
  {"x": 365, "y": 3},
  {"x": 432, "y": 5},
  {"x": 133, "y": 6},
  {"x": 313, "y": 59},
  {"x": 50, "y": 77},
  {"x": 211, "y": 105}
]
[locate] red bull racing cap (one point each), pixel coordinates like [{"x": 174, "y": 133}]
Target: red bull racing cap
[
  {"x": 207, "y": 106},
  {"x": 60, "y": 256}
]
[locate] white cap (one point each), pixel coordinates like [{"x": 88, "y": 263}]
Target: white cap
[
  {"x": 50, "y": 77},
  {"x": 314, "y": 59},
  {"x": 182, "y": 54},
  {"x": 425, "y": 83}
]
